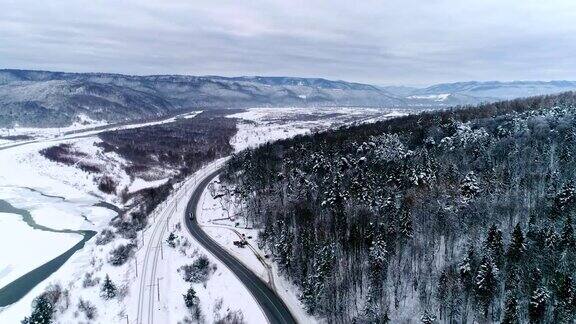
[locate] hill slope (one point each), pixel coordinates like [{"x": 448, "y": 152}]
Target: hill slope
[
  {"x": 474, "y": 92},
  {"x": 55, "y": 98},
  {"x": 448, "y": 216},
  {"x": 41, "y": 98}
]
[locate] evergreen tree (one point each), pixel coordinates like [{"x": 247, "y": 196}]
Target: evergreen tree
[
  {"x": 443, "y": 287},
  {"x": 567, "y": 237},
  {"x": 378, "y": 259},
  {"x": 551, "y": 239},
  {"x": 486, "y": 284},
  {"x": 378, "y": 254},
  {"x": 513, "y": 279},
  {"x": 172, "y": 239},
  {"x": 406, "y": 228},
  {"x": 534, "y": 233},
  {"x": 565, "y": 305},
  {"x": 190, "y": 299},
  {"x": 314, "y": 285},
  {"x": 42, "y": 311},
  {"x": 564, "y": 200},
  {"x": 511, "y": 310},
  {"x": 309, "y": 298},
  {"x": 428, "y": 318},
  {"x": 283, "y": 246},
  {"x": 108, "y": 290},
  {"x": 565, "y": 289},
  {"x": 537, "y": 306},
  {"x": 469, "y": 186},
  {"x": 466, "y": 268},
  {"x": 374, "y": 316},
  {"x": 449, "y": 295},
  {"x": 495, "y": 245},
  {"x": 534, "y": 279},
  {"x": 517, "y": 246}
]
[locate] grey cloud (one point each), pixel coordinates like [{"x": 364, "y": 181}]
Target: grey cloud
[{"x": 391, "y": 42}]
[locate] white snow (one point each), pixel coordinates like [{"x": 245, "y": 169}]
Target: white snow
[
  {"x": 215, "y": 221},
  {"x": 222, "y": 285},
  {"x": 23, "y": 166},
  {"x": 25, "y": 176},
  {"x": 34, "y": 247},
  {"x": 435, "y": 97},
  {"x": 80, "y": 128},
  {"x": 139, "y": 184},
  {"x": 222, "y": 288},
  {"x": 83, "y": 122},
  {"x": 260, "y": 125}
]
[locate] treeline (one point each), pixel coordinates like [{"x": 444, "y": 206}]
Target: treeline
[
  {"x": 462, "y": 215},
  {"x": 178, "y": 148},
  {"x": 67, "y": 154},
  {"x": 183, "y": 145}
]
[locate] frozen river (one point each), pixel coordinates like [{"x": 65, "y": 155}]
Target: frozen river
[{"x": 19, "y": 287}]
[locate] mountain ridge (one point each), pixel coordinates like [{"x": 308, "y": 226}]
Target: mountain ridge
[
  {"x": 477, "y": 92},
  {"x": 279, "y": 80},
  {"x": 49, "y": 99},
  {"x": 32, "y": 98}
]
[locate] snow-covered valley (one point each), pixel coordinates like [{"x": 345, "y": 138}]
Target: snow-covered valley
[{"x": 60, "y": 196}]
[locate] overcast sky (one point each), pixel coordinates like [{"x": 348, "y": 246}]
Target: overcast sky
[{"x": 413, "y": 42}]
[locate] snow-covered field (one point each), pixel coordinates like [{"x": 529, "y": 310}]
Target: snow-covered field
[
  {"x": 30, "y": 248},
  {"x": 57, "y": 196},
  {"x": 261, "y": 125},
  {"x": 84, "y": 127},
  {"x": 435, "y": 97},
  {"x": 82, "y": 122},
  {"x": 60, "y": 196}
]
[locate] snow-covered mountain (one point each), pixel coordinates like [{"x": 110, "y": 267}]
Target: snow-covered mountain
[
  {"x": 40, "y": 98},
  {"x": 474, "y": 92},
  {"x": 60, "y": 102}
]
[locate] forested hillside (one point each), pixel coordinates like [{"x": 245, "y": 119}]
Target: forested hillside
[
  {"x": 451, "y": 216},
  {"x": 56, "y": 99}
]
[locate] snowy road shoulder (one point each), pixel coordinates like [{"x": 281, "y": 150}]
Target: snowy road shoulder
[
  {"x": 220, "y": 294},
  {"x": 216, "y": 217}
]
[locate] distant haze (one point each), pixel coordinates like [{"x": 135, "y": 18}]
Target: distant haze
[{"x": 379, "y": 42}]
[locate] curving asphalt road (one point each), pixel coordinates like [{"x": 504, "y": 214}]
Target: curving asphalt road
[{"x": 273, "y": 307}]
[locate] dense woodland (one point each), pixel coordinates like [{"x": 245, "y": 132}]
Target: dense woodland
[
  {"x": 181, "y": 147},
  {"x": 184, "y": 145},
  {"x": 173, "y": 150},
  {"x": 450, "y": 216}
]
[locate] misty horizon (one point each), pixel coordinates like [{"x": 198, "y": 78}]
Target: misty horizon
[
  {"x": 396, "y": 43},
  {"x": 422, "y": 85}
]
